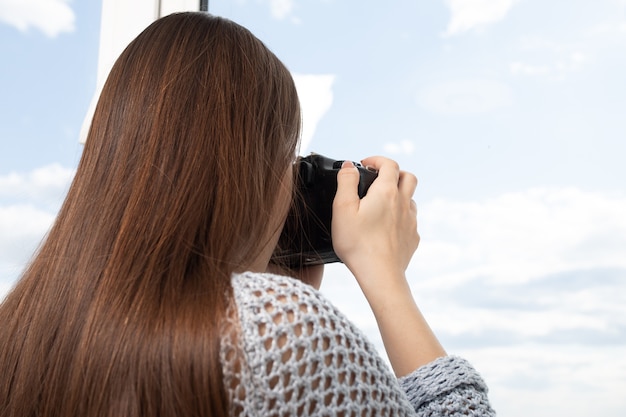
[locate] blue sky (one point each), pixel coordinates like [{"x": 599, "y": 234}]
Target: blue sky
[{"x": 510, "y": 112}]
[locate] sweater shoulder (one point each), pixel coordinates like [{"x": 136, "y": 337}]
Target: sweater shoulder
[{"x": 302, "y": 353}]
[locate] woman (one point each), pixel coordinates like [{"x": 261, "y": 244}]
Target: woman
[{"x": 149, "y": 296}]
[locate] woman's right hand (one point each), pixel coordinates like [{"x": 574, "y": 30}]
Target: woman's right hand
[
  {"x": 377, "y": 234},
  {"x": 376, "y": 237}
]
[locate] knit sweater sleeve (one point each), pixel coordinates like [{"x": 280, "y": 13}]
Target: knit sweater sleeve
[
  {"x": 447, "y": 386},
  {"x": 295, "y": 354}
]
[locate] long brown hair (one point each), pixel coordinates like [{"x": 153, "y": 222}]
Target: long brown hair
[{"x": 119, "y": 312}]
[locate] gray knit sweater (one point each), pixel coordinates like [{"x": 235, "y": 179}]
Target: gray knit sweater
[{"x": 295, "y": 354}]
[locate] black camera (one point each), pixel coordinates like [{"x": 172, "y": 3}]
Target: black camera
[{"x": 306, "y": 238}]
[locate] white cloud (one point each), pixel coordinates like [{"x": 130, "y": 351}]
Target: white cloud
[
  {"x": 42, "y": 186},
  {"x": 316, "y": 97},
  {"x": 280, "y": 9},
  {"x": 404, "y": 147},
  {"x": 52, "y": 17},
  {"x": 614, "y": 29},
  {"x": 545, "y": 381},
  {"x": 521, "y": 68},
  {"x": 475, "y": 14},
  {"x": 22, "y": 227},
  {"x": 28, "y": 205},
  {"x": 572, "y": 62},
  {"x": 470, "y": 96},
  {"x": 553, "y": 59},
  {"x": 518, "y": 237},
  {"x": 615, "y": 25}
]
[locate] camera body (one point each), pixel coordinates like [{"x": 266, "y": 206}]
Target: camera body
[{"x": 306, "y": 236}]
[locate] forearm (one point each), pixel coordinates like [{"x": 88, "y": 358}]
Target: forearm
[{"x": 409, "y": 341}]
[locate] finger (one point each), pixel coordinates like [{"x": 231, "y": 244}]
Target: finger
[
  {"x": 347, "y": 186},
  {"x": 388, "y": 169},
  {"x": 407, "y": 184}
]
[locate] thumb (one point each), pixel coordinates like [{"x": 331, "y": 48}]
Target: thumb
[{"x": 347, "y": 187}]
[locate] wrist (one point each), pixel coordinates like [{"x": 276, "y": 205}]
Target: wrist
[{"x": 384, "y": 288}]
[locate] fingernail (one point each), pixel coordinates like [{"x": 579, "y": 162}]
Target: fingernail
[{"x": 347, "y": 164}]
